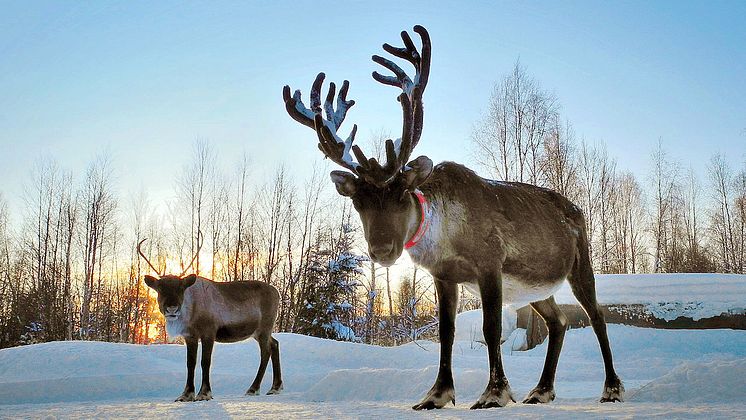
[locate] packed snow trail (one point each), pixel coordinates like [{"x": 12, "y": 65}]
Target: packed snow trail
[{"x": 681, "y": 373}]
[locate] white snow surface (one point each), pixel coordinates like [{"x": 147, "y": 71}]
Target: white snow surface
[
  {"x": 671, "y": 373},
  {"x": 669, "y": 296}
]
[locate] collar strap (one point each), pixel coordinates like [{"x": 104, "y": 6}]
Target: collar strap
[{"x": 424, "y": 220}]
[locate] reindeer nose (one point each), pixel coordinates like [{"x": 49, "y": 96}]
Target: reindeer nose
[{"x": 380, "y": 250}]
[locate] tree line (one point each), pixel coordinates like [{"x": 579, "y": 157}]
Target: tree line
[
  {"x": 69, "y": 270},
  {"x": 670, "y": 221}
]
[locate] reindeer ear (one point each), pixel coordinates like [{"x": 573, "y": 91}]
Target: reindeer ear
[
  {"x": 189, "y": 280},
  {"x": 345, "y": 182},
  {"x": 416, "y": 172},
  {"x": 151, "y": 281}
]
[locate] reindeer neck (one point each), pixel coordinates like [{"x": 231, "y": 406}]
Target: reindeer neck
[
  {"x": 420, "y": 216},
  {"x": 425, "y": 248}
]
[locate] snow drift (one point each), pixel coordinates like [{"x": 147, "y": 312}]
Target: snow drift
[{"x": 662, "y": 364}]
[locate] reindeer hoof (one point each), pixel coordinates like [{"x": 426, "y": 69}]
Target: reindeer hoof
[
  {"x": 496, "y": 395},
  {"x": 613, "y": 392},
  {"x": 251, "y": 392},
  {"x": 206, "y": 396},
  {"x": 540, "y": 395},
  {"x": 275, "y": 390},
  {"x": 185, "y": 397},
  {"x": 437, "y": 398}
]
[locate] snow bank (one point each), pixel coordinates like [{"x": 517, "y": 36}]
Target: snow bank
[
  {"x": 669, "y": 296},
  {"x": 692, "y": 382},
  {"x": 315, "y": 369}
]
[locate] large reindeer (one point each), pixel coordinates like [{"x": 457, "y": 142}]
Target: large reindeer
[
  {"x": 199, "y": 309},
  {"x": 507, "y": 241}
]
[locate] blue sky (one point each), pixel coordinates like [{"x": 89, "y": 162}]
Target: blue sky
[{"x": 144, "y": 80}]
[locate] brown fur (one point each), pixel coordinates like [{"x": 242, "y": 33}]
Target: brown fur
[
  {"x": 512, "y": 242},
  {"x": 200, "y": 309}
]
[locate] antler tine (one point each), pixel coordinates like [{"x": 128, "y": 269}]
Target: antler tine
[
  {"x": 328, "y": 108},
  {"x": 139, "y": 251},
  {"x": 330, "y": 143},
  {"x": 199, "y": 235},
  {"x": 295, "y": 107},
  {"x": 421, "y": 80},
  {"x": 343, "y": 105},
  {"x": 401, "y": 80}
]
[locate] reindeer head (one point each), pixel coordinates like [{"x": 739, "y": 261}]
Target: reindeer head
[
  {"x": 170, "y": 288},
  {"x": 170, "y": 291},
  {"x": 383, "y": 195}
]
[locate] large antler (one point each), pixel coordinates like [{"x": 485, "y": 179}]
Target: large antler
[
  {"x": 338, "y": 150},
  {"x": 397, "y": 154},
  {"x": 330, "y": 143},
  {"x": 139, "y": 251}
]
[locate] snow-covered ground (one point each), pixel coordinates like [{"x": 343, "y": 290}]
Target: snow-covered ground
[{"x": 671, "y": 373}]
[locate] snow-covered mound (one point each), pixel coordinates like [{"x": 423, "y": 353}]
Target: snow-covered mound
[
  {"x": 698, "y": 382},
  {"x": 669, "y": 296},
  {"x": 323, "y": 370}
]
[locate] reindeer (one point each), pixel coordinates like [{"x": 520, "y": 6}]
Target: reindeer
[
  {"x": 509, "y": 242},
  {"x": 197, "y": 309}
]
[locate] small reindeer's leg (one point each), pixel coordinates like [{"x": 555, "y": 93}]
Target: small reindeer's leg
[
  {"x": 497, "y": 393},
  {"x": 205, "y": 393},
  {"x": 557, "y": 324},
  {"x": 265, "y": 351},
  {"x": 276, "y": 370},
  {"x": 188, "y": 394},
  {"x": 442, "y": 391}
]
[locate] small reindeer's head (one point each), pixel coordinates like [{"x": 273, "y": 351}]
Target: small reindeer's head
[
  {"x": 170, "y": 288},
  {"x": 170, "y": 291},
  {"x": 382, "y": 194}
]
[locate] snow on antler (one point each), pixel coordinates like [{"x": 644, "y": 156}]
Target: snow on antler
[{"x": 397, "y": 152}]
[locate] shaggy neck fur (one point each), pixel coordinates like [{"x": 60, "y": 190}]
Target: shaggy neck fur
[
  {"x": 423, "y": 219},
  {"x": 177, "y": 327},
  {"x": 424, "y": 250}
]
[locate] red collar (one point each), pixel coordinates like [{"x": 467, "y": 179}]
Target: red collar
[{"x": 424, "y": 220}]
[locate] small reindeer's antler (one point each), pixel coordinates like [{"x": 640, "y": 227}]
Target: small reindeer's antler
[
  {"x": 199, "y": 247},
  {"x": 139, "y": 251},
  {"x": 338, "y": 150}
]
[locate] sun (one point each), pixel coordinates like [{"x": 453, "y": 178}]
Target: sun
[{"x": 175, "y": 266}]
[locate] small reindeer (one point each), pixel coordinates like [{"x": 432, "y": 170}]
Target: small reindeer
[
  {"x": 508, "y": 241},
  {"x": 200, "y": 309}
]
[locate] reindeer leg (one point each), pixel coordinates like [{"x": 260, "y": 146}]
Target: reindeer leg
[
  {"x": 276, "y": 371},
  {"x": 583, "y": 286},
  {"x": 497, "y": 393},
  {"x": 442, "y": 391},
  {"x": 265, "y": 349},
  {"x": 188, "y": 394},
  {"x": 205, "y": 393},
  {"x": 557, "y": 324}
]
